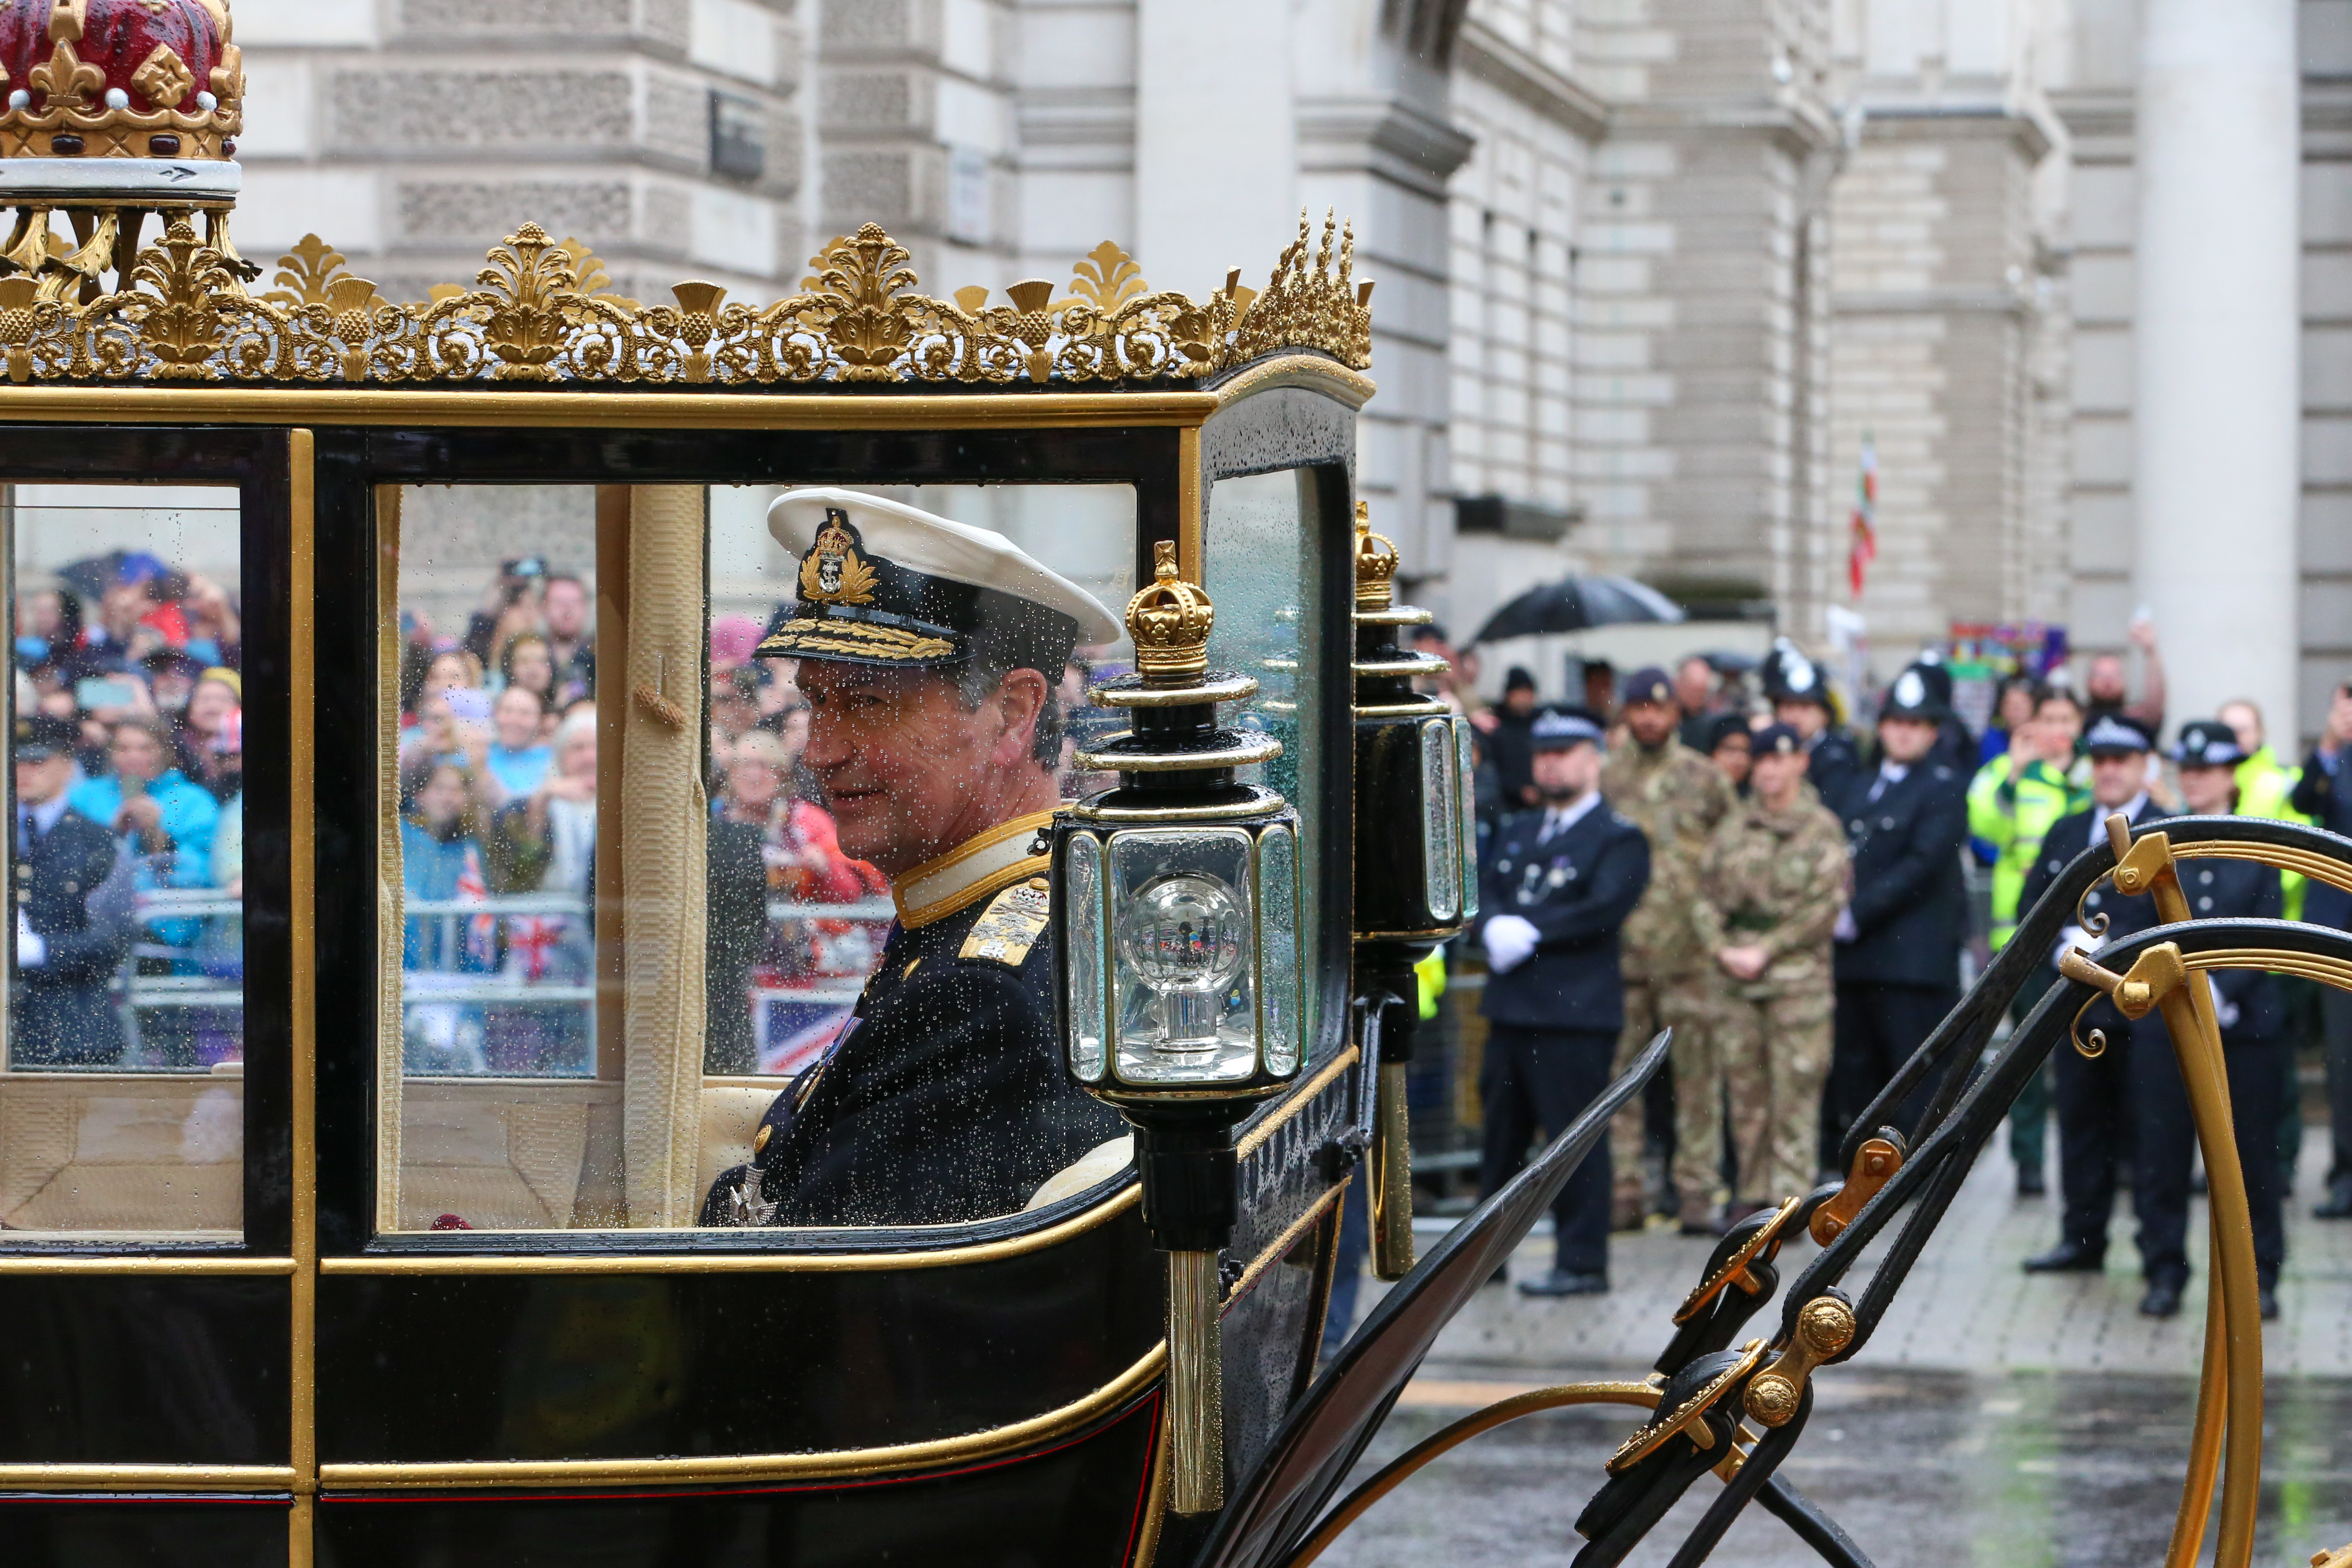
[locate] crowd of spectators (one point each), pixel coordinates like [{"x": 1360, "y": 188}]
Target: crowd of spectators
[{"x": 129, "y": 755}]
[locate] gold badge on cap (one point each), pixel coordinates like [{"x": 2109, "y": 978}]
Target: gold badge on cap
[{"x": 831, "y": 573}]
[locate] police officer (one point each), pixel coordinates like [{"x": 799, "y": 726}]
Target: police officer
[
  {"x": 928, "y": 652},
  {"x": 2252, "y": 1014},
  {"x": 1898, "y": 942},
  {"x": 2093, "y": 1093},
  {"x": 1675, "y": 796},
  {"x": 1558, "y": 882},
  {"x": 1801, "y": 700},
  {"x": 74, "y": 909}
]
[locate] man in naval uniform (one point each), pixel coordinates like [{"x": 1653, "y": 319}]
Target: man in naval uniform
[
  {"x": 2095, "y": 1093},
  {"x": 1559, "y": 883},
  {"x": 928, "y": 652}
]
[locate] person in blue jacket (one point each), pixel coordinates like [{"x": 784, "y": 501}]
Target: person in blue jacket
[{"x": 1558, "y": 881}]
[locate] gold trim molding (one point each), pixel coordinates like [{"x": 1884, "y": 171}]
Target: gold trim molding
[
  {"x": 146, "y": 1478},
  {"x": 545, "y": 311}
]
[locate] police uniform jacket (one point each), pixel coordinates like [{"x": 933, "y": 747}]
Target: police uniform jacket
[
  {"x": 1910, "y": 896},
  {"x": 1576, "y": 887},
  {"x": 2069, "y": 837},
  {"x": 2222, "y": 889},
  {"x": 1833, "y": 767},
  {"x": 944, "y": 1098},
  {"x": 75, "y": 892},
  {"x": 2326, "y": 799}
]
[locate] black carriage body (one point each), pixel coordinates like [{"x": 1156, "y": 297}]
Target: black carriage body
[{"x": 329, "y": 1390}]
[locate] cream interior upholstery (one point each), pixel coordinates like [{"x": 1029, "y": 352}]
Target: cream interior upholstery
[
  {"x": 116, "y": 1153},
  {"x": 1098, "y": 1164},
  {"x": 500, "y": 1155}
]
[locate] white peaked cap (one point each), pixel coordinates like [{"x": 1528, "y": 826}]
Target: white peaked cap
[{"x": 924, "y": 542}]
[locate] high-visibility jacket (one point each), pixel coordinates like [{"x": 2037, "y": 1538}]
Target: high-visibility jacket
[
  {"x": 2263, "y": 785},
  {"x": 2013, "y": 816}
]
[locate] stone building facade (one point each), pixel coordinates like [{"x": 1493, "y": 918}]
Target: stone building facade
[{"x": 1649, "y": 271}]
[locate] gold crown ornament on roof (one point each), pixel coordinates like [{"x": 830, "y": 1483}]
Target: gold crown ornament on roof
[
  {"x": 119, "y": 78},
  {"x": 1376, "y": 563},
  {"x": 1171, "y": 620}
]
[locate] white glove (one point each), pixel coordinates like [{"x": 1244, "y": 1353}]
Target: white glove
[
  {"x": 31, "y": 951},
  {"x": 1510, "y": 939},
  {"x": 1845, "y": 929},
  {"x": 2225, "y": 1012},
  {"x": 2070, "y": 939}
]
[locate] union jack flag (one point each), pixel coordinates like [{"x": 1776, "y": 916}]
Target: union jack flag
[{"x": 532, "y": 938}]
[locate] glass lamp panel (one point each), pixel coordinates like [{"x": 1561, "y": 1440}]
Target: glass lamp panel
[
  {"x": 1089, "y": 1022},
  {"x": 1441, "y": 867},
  {"x": 1181, "y": 921},
  {"x": 1465, "y": 815},
  {"x": 1263, "y": 564},
  {"x": 1277, "y": 929}
]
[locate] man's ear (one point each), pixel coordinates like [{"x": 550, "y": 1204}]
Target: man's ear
[{"x": 1021, "y": 700}]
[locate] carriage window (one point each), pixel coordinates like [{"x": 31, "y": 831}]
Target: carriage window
[
  {"x": 489, "y": 716},
  {"x": 121, "y": 1109},
  {"x": 1264, "y": 573},
  {"x": 627, "y": 972}
]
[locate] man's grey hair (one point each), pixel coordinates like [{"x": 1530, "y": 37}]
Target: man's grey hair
[{"x": 977, "y": 678}]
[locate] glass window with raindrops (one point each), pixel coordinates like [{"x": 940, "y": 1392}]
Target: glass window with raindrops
[
  {"x": 122, "y": 1104},
  {"x": 844, "y": 715}
]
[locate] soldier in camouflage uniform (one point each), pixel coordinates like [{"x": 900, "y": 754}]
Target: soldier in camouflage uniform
[
  {"x": 1676, "y": 798},
  {"x": 1770, "y": 887}
]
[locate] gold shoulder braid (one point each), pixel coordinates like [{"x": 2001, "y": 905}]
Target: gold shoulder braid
[{"x": 1008, "y": 927}]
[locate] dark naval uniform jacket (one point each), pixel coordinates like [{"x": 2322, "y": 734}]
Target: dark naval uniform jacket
[
  {"x": 1576, "y": 887},
  {"x": 73, "y": 888},
  {"x": 2241, "y": 889},
  {"x": 944, "y": 1098},
  {"x": 2069, "y": 837},
  {"x": 1910, "y": 895}
]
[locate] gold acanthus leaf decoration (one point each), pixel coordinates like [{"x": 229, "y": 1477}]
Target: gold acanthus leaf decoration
[
  {"x": 547, "y": 312},
  {"x": 1108, "y": 278}
]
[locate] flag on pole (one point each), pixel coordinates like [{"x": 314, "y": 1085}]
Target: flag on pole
[{"x": 1861, "y": 542}]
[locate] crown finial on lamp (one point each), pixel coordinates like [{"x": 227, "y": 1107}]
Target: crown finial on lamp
[
  {"x": 1171, "y": 620},
  {"x": 1376, "y": 563}
]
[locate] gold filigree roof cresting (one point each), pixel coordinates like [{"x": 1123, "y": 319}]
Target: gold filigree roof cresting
[{"x": 545, "y": 311}]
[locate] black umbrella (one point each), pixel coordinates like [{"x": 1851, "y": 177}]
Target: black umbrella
[{"x": 1573, "y": 603}]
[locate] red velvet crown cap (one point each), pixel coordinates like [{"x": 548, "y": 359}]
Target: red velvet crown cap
[{"x": 118, "y": 37}]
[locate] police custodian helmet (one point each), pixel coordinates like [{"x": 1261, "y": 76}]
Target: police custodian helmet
[{"x": 888, "y": 584}]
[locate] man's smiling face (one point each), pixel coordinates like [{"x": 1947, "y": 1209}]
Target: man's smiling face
[{"x": 907, "y": 768}]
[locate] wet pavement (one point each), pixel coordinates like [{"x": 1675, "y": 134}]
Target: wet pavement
[
  {"x": 1923, "y": 1469},
  {"x": 1995, "y": 1419}
]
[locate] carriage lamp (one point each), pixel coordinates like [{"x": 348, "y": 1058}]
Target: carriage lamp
[
  {"x": 1178, "y": 897},
  {"x": 1417, "y": 861}
]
